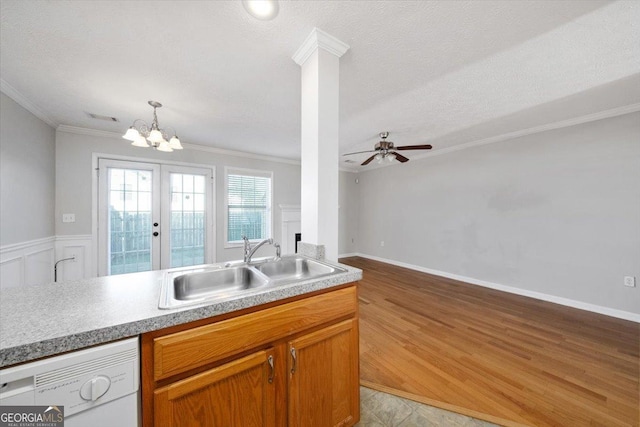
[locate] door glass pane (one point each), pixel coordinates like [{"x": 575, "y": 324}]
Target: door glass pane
[
  {"x": 129, "y": 220},
  {"x": 187, "y": 219}
]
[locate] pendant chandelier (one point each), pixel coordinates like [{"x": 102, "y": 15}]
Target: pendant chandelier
[{"x": 144, "y": 136}]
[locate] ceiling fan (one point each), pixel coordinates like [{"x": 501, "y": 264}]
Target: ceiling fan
[{"x": 386, "y": 150}]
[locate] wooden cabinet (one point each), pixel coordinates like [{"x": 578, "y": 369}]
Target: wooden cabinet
[
  {"x": 238, "y": 393},
  {"x": 323, "y": 377},
  {"x": 288, "y": 364}
]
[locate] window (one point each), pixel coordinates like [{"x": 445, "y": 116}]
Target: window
[{"x": 248, "y": 205}]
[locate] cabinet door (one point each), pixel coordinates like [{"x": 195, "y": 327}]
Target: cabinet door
[
  {"x": 239, "y": 393},
  {"x": 323, "y": 377}
]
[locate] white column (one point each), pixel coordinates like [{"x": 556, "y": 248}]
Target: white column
[{"x": 319, "y": 57}]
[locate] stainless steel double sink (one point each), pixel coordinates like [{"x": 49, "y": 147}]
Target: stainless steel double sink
[{"x": 217, "y": 282}]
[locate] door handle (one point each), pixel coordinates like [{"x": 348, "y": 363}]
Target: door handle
[
  {"x": 271, "y": 368},
  {"x": 155, "y": 234},
  {"x": 294, "y": 359}
]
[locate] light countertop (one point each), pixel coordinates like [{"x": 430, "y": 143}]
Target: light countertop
[{"x": 39, "y": 321}]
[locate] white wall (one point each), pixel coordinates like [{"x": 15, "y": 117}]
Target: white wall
[
  {"x": 74, "y": 181},
  {"x": 555, "y": 213},
  {"x": 349, "y": 210},
  {"x": 27, "y": 180},
  {"x": 27, "y": 176}
]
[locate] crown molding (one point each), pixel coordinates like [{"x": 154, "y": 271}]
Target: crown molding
[
  {"x": 87, "y": 131},
  {"x": 606, "y": 114},
  {"x": 241, "y": 154},
  {"x": 188, "y": 146},
  {"x": 614, "y": 112},
  {"x": 24, "y": 102},
  {"x": 319, "y": 39}
]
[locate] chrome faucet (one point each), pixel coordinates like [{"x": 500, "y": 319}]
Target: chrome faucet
[{"x": 249, "y": 251}]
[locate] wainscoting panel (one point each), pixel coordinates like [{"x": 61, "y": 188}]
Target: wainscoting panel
[
  {"x": 27, "y": 263},
  {"x": 78, "y": 248},
  {"x": 38, "y": 267},
  {"x": 33, "y": 262},
  {"x": 11, "y": 273}
]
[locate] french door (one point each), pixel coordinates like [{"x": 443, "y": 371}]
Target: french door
[{"x": 153, "y": 216}]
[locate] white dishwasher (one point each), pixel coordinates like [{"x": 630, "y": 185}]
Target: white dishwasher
[{"x": 98, "y": 386}]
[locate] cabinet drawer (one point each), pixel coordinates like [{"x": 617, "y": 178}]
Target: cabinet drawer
[{"x": 182, "y": 351}]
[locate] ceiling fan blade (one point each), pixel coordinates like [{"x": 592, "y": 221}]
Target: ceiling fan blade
[
  {"x": 414, "y": 147},
  {"x": 366, "y": 162},
  {"x": 400, "y": 157},
  {"x": 359, "y": 152}
]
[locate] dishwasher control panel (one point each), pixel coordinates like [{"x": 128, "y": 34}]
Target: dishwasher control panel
[{"x": 78, "y": 380}]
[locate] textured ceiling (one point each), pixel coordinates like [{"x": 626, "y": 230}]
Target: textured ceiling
[{"x": 440, "y": 72}]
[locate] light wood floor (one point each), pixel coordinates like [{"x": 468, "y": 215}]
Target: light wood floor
[{"x": 493, "y": 355}]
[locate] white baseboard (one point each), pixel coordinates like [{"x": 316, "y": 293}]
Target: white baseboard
[
  {"x": 349, "y": 255},
  {"x": 620, "y": 314}
]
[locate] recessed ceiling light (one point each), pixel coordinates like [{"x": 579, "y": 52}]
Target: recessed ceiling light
[{"x": 261, "y": 9}]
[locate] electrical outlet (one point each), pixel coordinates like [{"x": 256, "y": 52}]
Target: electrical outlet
[
  {"x": 382, "y": 243},
  {"x": 68, "y": 217},
  {"x": 630, "y": 281}
]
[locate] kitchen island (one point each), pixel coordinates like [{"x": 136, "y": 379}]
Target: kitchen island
[{"x": 46, "y": 320}]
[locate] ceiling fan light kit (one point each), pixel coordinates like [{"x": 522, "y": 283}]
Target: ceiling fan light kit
[
  {"x": 385, "y": 151},
  {"x": 144, "y": 136}
]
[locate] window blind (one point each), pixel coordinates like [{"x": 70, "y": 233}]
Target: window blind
[{"x": 248, "y": 207}]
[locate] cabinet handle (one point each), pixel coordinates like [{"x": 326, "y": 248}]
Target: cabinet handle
[
  {"x": 270, "y": 361},
  {"x": 295, "y": 361}
]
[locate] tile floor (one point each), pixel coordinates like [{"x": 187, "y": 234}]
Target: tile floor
[{"x": 379, "y": 409}]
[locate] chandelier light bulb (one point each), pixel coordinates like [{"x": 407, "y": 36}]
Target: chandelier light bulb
[
  {"x": 140, "y": 141},
  {"x": 164, "y": 146},
  {"x": 132, "y": 134},
  {"x": 155, "y": 136},
  {"x": 174, "y": 143}
]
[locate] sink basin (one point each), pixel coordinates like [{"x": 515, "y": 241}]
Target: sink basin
[
  {"x": 189, "y": 286},
  {"x": 295, "y": 268},
  {"x": 225, "y": 281}
]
